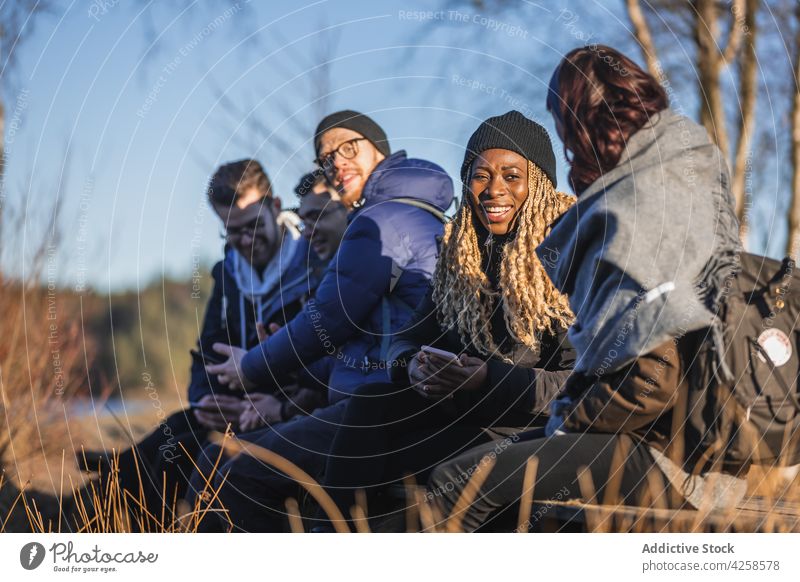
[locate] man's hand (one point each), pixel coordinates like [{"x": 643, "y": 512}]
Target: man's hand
[
  {"x": 436, "y": 377},
  {"x": 215, "y": 412},
  {"x": 229, "y": 372},
  {"x": 262, "y": 409},
  {"x": 263, "y": 333}
]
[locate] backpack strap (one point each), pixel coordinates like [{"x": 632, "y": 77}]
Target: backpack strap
[
  {"x": 397, "y": 272},
  {"x": 386, "y": 316},
  {"x": 386, "y": 309},
  {"x": 427, "y": 206}
]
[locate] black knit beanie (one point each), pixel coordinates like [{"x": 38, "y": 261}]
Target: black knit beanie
[
  {"x": 357, "y": 122},
  {"x": 512, "y": 131}
]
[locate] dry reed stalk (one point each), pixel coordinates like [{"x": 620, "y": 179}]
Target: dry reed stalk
[
  {"x": 476, "y": 480},
  {"x": 11, "y": 510},
  {"x": 429, "y": 516},
  {"x": 526, "y": 498},
  {"x": 293, "y": 513},
  {"x": 412, "y": 505},
  {"x": 294, "y": 472},
  {"x": 586, "y": 485},
  {"x": 359, "y": 519},
  {"x": 209, "y": 496},
  {"x": 359, "y": 512},
  {"x": 613, "y": 485}
]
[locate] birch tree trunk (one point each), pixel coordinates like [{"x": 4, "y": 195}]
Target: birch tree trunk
[
  {"x": 793, "y": 239},
  {"x": 709, "y": 66},
  {"x": 748, "y": 87}
]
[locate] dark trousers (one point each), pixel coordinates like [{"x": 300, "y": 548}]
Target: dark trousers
[
  {"x": 496, "y": 505},
  {"x": 253, "y": 492},
  {"x": 164, "y": 461},
  {"x": 388, "y": 431}
]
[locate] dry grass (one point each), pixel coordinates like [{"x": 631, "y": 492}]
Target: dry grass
[
  {"x": 43, "y": 363},
  {"x": 46, "y": 363},
  {"x": 104, "y": 506}
]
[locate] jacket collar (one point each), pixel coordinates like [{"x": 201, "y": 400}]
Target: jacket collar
[{"x": 372, "y": 189}]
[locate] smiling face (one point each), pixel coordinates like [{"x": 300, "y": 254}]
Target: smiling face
[
  {"x": 251, "y": 227},
  {"x": 348, "y": 176},
  {"x": 498, "y": 186},
  {"x": 324, "y": 221}
]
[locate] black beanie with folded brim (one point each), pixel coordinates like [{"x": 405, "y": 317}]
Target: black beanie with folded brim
[
  {"x": 354, "y": 121},
  {"x": 515, "y": 132}
]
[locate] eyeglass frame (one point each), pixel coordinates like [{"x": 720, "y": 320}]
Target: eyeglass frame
[
  {"x": 250, "y": 228},
  {"x": 329, "y": 209},
  {"x": 326, "y": 163}
]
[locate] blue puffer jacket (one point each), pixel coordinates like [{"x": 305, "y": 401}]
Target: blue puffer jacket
[{"x": 371, "y": 287}]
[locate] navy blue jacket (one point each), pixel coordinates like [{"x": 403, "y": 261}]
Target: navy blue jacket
[
  {"x": 371, "y": 287},
  {"x": 229, "y": 316}
]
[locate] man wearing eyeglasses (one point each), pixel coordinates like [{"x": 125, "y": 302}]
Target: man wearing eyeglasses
[
  {"x": 265, "y": 277},
  {"x": 368, "y": 292},
  {"x": 323, "y": 214},
  {"x": 347, "y": 158},
  {"x": 324, "y": 221}
]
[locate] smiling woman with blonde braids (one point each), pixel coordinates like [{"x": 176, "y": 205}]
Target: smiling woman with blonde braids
[
  {"x": 465, "y": 292},
  {"x": 491, "y": 305}
]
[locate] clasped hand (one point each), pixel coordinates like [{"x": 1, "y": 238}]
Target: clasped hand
[{"x": 436, "y": 377}]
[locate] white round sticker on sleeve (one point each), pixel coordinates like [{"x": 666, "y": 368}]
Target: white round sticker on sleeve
[{"x": 777, "y": 345}]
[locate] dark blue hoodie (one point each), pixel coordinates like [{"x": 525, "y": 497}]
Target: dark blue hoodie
[
  {"x": 232, "y": 313},
  {"x": 381, "y": 272}
]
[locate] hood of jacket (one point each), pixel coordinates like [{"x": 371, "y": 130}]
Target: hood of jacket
[{"x": 399, "y": 176}]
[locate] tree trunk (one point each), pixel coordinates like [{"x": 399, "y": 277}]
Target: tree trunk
[
  {"x": 793, "y": 240},
  {"x": 2, "y": 170},
  {"x": 747, "y": 100},
  {"x": 709, "y": 65}
]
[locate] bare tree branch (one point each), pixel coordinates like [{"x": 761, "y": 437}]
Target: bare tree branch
[
  {"x": 736, "y": 33},
  {"x": 17, "y": 20},
  {"x": 644, "y": 38}
]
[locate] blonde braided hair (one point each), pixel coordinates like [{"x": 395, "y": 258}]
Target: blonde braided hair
[{"x": 531, "y": 305}]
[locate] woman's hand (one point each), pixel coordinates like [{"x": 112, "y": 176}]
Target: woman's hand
[
  {"x": 229, "y": 372},
  {"x": 262, "y": 409},
  {"x": 558, "y": 408},
  {"x": 436, "y": 377}
]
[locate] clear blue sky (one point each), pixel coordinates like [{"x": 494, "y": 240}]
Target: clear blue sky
[{"x": 143, "y": 126}]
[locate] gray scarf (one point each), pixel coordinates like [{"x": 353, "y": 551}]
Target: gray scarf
[
  {"x": 257, "y": 287},
  {"x": 644, "y": 253}
]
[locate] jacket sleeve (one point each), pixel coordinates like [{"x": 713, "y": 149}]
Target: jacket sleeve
[
  {"x": 532, "y": 389},
  {"x": 350, "y": 290},
  {"x": 422, "y": 329},
  {"x": 628, "y": 399},
  {"x": 200, "y": 382}
]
